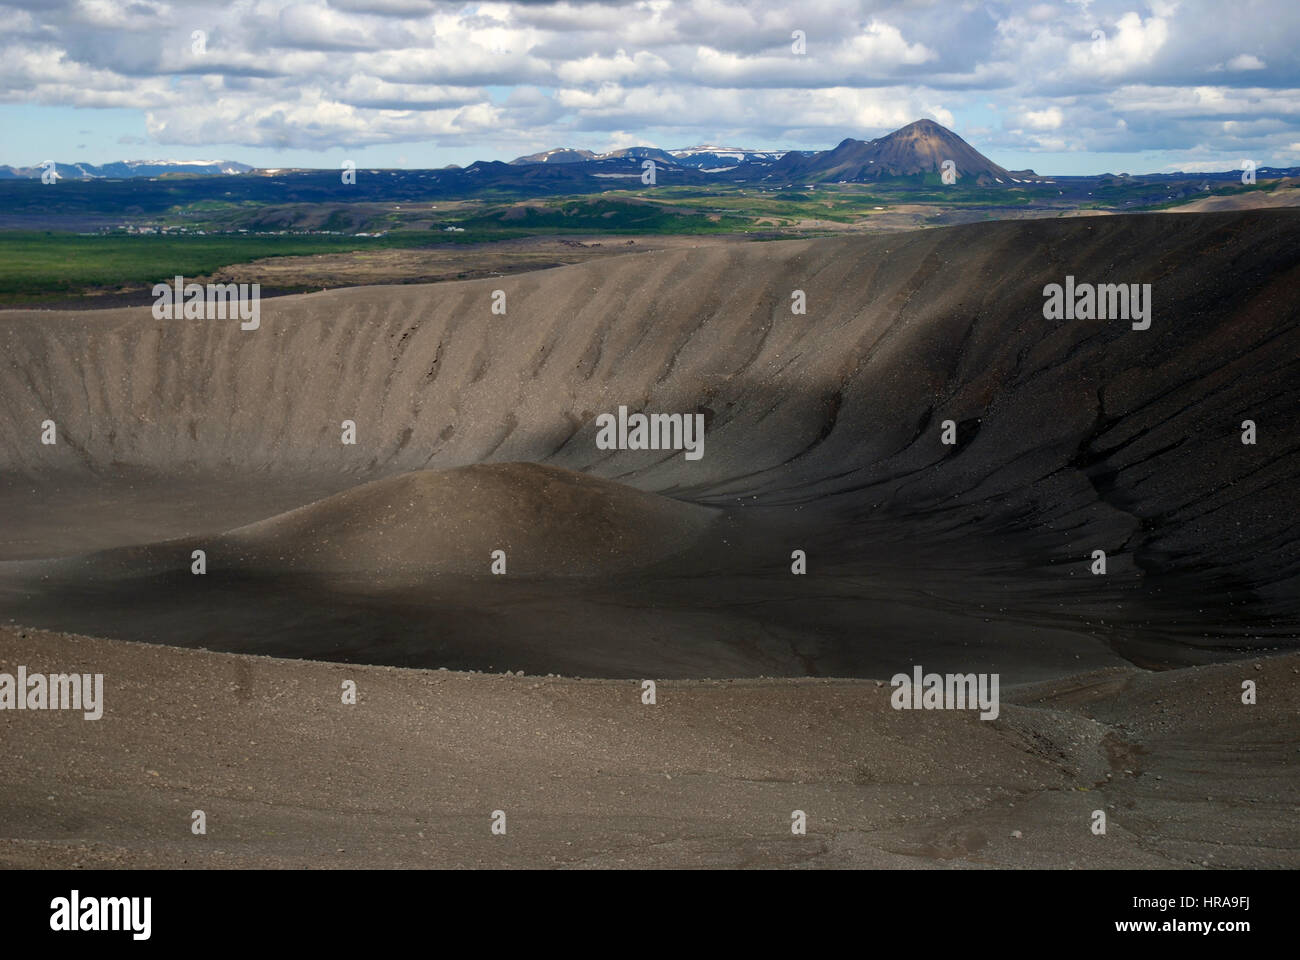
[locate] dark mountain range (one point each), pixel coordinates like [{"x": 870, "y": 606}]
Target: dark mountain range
[
  {"x": 918, "y": 149},
  {"x": 91, "y": 198}
]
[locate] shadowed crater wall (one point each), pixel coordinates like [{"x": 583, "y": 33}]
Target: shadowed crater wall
[{"x": 823, "y": 434}]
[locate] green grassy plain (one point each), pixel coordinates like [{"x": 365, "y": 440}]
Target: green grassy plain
[{"x": 37, "y": 265}]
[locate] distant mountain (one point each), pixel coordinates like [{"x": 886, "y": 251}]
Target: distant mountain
[
  {"x": 917, "y": 148},
  {"x": 712, "y": 158},
  {"x": 639, "y": 153},
  {"x": 706, "y": 157},
  {"x": 570, "y": 155},
  {"x": 728, "y": 153},
  {"x": 126, "y": 170},
  {"x": 557, "y": 155}
]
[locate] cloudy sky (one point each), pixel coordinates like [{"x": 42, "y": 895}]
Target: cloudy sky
[{"x": 1066, "y": 86}]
